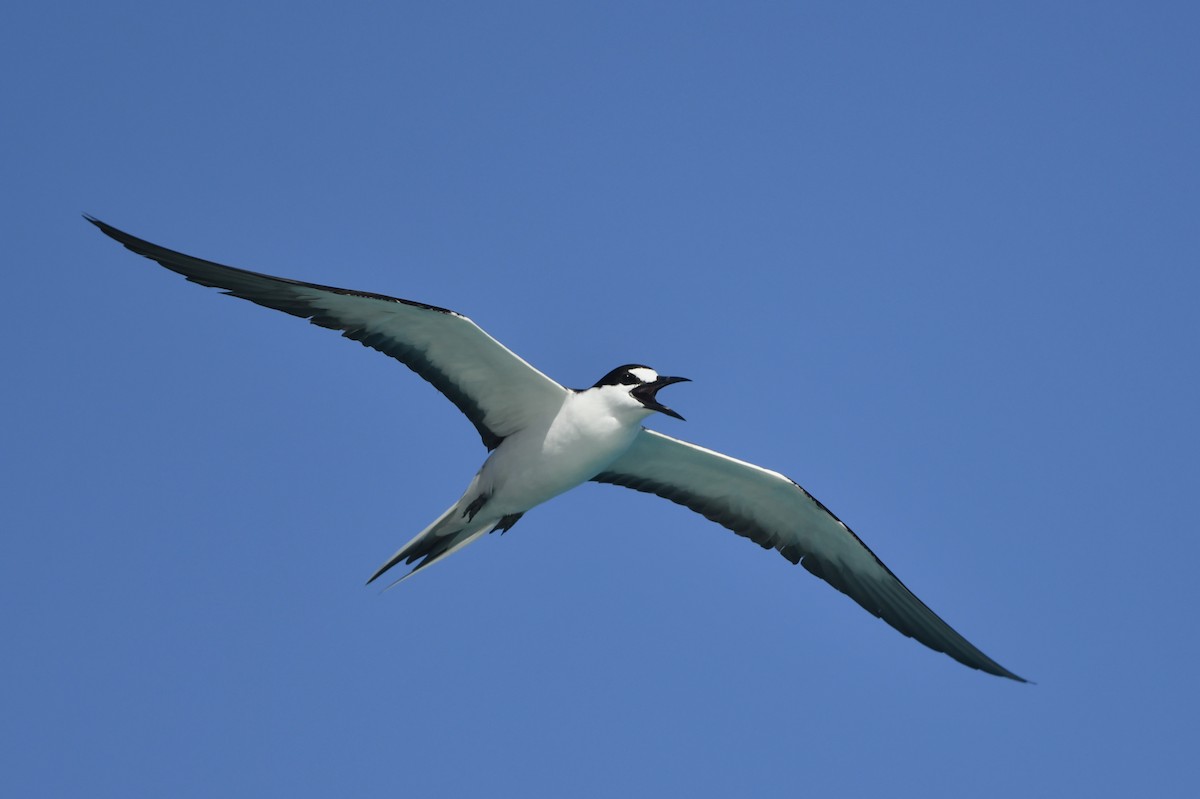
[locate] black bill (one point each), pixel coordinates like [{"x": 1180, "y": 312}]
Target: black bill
[{"x": 645, "y": 394}]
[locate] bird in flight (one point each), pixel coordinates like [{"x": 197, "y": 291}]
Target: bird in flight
[{"x": 544, "y": 439}]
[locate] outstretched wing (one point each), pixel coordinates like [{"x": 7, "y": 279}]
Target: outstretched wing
[
  {"x": 498, "y": 391},
  {"x": 776, "y": 513}
]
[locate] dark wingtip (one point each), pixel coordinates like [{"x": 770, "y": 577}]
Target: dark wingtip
[
  {"x": 1012, "y": 676},
  {"x": 1005, "y": 674},
  {"x": 106, "y": 229}
]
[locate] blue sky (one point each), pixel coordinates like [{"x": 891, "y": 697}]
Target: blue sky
[{"x": 939, "y": 264}]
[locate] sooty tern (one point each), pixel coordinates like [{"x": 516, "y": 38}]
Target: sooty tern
[{"x": 545, "y": 439}]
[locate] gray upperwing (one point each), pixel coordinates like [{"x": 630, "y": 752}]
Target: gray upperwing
[
  {"x": 776, "y": 513},
  {"x": 497, "y": 390}
]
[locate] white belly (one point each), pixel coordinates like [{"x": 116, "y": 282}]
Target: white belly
[{"x": 534, "y": 465}]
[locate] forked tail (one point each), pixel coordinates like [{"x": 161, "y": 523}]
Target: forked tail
[{"x": 461, "y": 524}]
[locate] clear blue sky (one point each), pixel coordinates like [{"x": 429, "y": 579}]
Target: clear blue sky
[{"x": 939, "y": 264}]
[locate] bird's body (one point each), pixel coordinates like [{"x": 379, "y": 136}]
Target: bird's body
[
  {"x": 552, "y": 455},
  {"x": 545, "y": 439},
  {"x": 544, "y": 460}
]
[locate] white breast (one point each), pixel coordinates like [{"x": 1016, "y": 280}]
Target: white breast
[{"x": 591, "y": 430}]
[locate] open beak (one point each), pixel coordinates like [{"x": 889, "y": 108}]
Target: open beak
[{"x": 645, "y": 394}]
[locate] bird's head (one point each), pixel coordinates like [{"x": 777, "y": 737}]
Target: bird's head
[{"x": 642, "y": 384}]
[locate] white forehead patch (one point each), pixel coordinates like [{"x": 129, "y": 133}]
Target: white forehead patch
[{"x": 644, "y": 374}]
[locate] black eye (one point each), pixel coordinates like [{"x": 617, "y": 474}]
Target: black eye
[{"x": 628, "y": 379}]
